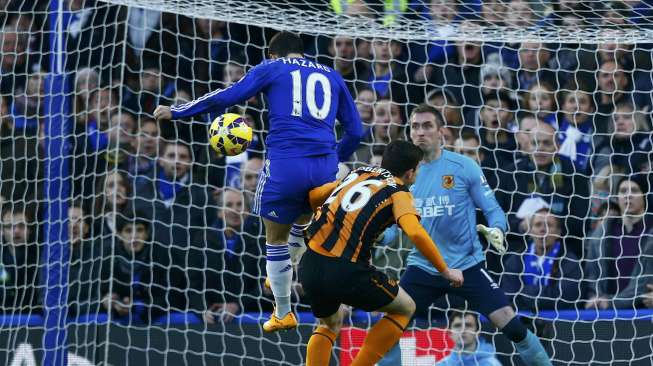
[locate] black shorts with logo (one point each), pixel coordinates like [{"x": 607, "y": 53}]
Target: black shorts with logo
[{"x": 329, "y": 282}]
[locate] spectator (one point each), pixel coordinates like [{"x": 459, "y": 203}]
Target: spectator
[
  {"x": 546, "y": 276},
  {"x": 229, "y": 279},
  {"x": 14, "y": 61},
  {"x": 343, "y": 58},
  {"x": 497, "y": 127},
  {"x": 444, "y": 101},
  {"x": 20, "y": 261},
  {"x": 449, "y": 137},
  {"x": 527, "y": 123},
  {"x": 613, "y": 87},
  {"x": 469, "y": 348},
  {"x": 90, "y": 141},
  {"x": 365, "y": 104},
  {"x": 534, "y": 66},
  {"x": 469, "y": 145},
  {"x": 461, "y": 75},
  {"x": 495, "y": 77},
  {"x": 87, "y": 80},
  {"x": 543, "y": 175},
  {"x": 234, "y": 70},
  {"x": 113, "y": 195},
  {"x": 492, "y": 12},
  {"x": 437, "y": 52},
  {"x": 351, "y": 7},
  {"x": 576, "y": 128},
  {"x": 91, "y": 35},
  {"x": 388, "y": 77},
  {"x": 213, "y": 47},
  {"x": 26, "y": 109},
  {"x": 132, "y": 283},
  {"x": 540, "y": 100},
  {"x": 151, "y": 90},
  {"x": 604, "y": 186},
  {"x": 249, "y": 178},
  {"x": 613, "y": 250},
  {"x": 145, "y": 147},
  {"x": 20, "y": 164},
  {"x": 629, "y": 146},
  {"x": 85, "y": 264},
  {"x": 388, "y": 125},
  {"x": 519, "y": 14},
  {"x": 179, "y": 209}
]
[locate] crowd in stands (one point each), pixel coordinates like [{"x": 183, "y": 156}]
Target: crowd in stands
[{"x": 158, "y": 222}]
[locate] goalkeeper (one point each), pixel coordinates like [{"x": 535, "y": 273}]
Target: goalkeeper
[{"x": 448, "y": 189}]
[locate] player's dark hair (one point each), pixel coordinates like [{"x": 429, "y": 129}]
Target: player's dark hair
[
  {"x": 400, "y": 157},
  {"x": 426, "y": 108},
  {"x": 284, "y": 43}
]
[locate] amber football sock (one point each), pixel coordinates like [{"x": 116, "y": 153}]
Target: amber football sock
[
  {"x": 318, "y": 352},
  {"x": 383, "y": 335}
]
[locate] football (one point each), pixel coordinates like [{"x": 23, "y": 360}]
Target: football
[{"x": 229, "y": 134}]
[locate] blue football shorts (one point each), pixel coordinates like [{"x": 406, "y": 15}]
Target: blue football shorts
[{"x": 282, "y": 190}]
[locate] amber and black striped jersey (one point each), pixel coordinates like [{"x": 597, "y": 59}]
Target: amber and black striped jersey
[{"x": 364, "y": 204}]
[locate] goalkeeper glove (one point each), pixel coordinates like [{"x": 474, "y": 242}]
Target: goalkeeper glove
[{"x": 493, "y": 236}]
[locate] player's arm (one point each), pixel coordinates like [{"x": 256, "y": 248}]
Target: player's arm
[
  {"x": 423, "y": 242},
  {"x": 348, "y": 116},
  {"x": 407, "y": 218},
  {"x": 219, "y": 100},
  {"x": 484, "y": 199},
  {"x": 317, "y": 196}
]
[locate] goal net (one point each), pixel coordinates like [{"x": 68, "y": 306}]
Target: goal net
[{"x": 129, "y": 241}]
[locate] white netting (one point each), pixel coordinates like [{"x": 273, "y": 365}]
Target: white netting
[{"x": 552, "y": 99}]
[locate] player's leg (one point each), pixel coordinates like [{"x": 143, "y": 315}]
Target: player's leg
[
  {"x": 296, "y": 244},
  {"x": 485, "y": 296},
  {"x": 279, "y": 271},
  {"x": 424, "y": 288},
  {"x": 276, "y": 203},
  {"x": 321, "y": 278},
  {"x": 371, "y": 290},
  {"x": 387, "y": 331},
  {"x": 323, "y": 339},
  {"x": 529, "y": 346}
]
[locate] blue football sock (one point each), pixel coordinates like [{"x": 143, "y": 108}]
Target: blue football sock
[{"x": 531, "y": 351}]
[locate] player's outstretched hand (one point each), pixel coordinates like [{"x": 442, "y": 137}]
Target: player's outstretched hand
[
  {"x": 493, "y": 236},
  {"x": 162, "y": 112},
  {"x": 455, "y": 276}
]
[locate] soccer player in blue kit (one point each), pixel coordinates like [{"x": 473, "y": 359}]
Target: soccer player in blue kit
[
  {"x": 305, "y": 99},
  {"x": 448, "y": 189}
]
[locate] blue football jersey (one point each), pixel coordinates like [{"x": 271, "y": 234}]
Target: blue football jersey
[{"x": 305, "y": 100}]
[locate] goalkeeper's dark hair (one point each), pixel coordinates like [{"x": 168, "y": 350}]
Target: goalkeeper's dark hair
[
  {"x": 427, "y": 108},
  {"x": 285, "y": 43},
  {"x": 400, "y": 157}
]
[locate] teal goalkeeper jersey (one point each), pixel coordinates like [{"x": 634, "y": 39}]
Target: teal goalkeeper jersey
[{"x": 447, "y": 192}]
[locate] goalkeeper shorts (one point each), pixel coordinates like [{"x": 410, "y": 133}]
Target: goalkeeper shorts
[
  {"x": 479, "y": 289},
  {"x": 283, "y": 186},
  {"x": 329, "y": 282}
]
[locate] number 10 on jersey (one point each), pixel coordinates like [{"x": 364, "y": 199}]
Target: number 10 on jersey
[{"x": 311, "y": 103}]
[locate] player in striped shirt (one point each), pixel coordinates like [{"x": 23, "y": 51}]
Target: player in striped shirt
[{"x": 336, "y": 268}]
